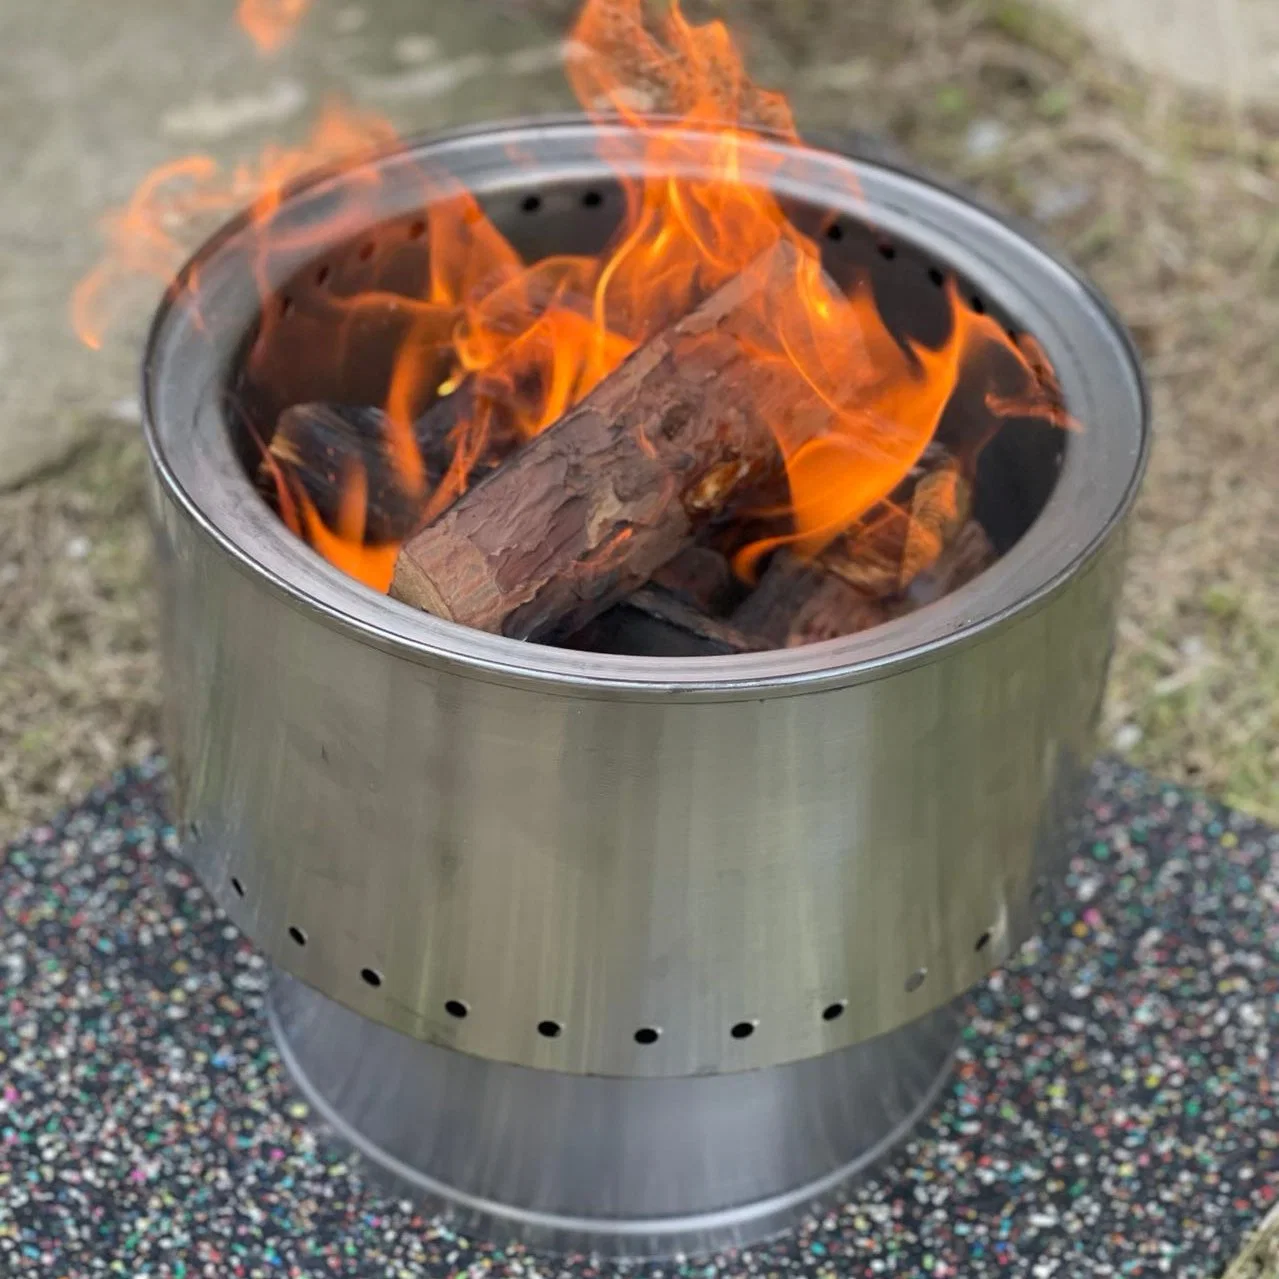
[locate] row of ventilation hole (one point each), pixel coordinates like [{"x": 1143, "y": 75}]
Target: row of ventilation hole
[
  {"x": 645, "y": 1035},
  {"x": 532, "y": 203}
]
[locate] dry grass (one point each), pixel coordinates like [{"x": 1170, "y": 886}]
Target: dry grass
[
  {"x": 1169, "y": 202},
  {"x": 78, "y": 667}
]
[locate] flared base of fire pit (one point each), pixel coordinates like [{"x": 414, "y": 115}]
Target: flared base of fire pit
[{"x": 613, "y": 1166}]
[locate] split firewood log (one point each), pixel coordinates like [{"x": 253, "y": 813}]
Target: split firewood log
[{"x": 586, "y": 512}]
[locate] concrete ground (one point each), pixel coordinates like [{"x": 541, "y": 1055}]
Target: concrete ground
[
  {"x": 93, "y": 96},
  {"x": 1227, "y": 48}
]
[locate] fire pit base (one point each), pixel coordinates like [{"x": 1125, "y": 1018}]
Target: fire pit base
[{"x": 614, "y": 1166}]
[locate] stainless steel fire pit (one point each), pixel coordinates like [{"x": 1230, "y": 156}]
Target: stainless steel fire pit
[{"x": 626, "y": 954}]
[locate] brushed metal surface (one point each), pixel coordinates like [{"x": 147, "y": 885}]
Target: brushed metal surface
[
  {"x": 608, "y": 843},
  {"x": 623, "y": 1167}
]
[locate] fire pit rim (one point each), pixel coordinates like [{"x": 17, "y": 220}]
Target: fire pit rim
[{"x": 347, "y": 605}]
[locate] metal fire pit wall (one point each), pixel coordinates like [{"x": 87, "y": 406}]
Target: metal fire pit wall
[{"x": 624, "y": 954}]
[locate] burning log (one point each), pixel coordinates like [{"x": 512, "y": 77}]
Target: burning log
[
  {"x": 886, "y": 554},
  {"x": 968, "y": 555},
  {"x": 585, "y": 513},
  {"x": 900, "y": 562},
  {"x": 799, "y": 602},
  {"x": 700, "y": 576},
  {"x": 317, "y": 447},
  {"x": 679, "y": 613},
  {"x": 655, "y": 622}
]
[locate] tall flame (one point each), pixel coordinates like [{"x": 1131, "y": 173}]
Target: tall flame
[
  {"x": 148, "y": 237},
  {"x": 534, "y": 338}
]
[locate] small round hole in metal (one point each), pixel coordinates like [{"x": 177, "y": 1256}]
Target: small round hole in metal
[
  {"x": 238, "y": 885},
  {"x": 549, "y": 1029},
  {"x": 983, "y": 941},
  {"x": 916, "y": 979},
  {"x": 833, "y": 1012},
  {"x": 298, "y": 934},
  {"x": 743, "y": 1029},
  {"x": 456, "y": 1008},
  {"x": 531, "y": 203},
  {"x": 648, "y": 1035},
  {"x": 371, "y": 977}
]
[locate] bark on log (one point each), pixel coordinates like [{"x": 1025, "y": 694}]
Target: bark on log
[{"x": 585, "y": 513}]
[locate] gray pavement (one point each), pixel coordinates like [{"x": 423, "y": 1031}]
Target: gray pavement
[
  {"x": 1228, "y": 48},
  {"x": 92, "y": 96}
]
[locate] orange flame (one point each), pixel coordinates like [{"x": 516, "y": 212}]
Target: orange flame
[
  {"x": 270, "y": 24},
  {"x": 532, "y": 339},
  {"x": 149, "y": 236}
]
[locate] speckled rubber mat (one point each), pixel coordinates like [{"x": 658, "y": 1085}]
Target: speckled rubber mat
[{"x": 1113, "y": 1111}]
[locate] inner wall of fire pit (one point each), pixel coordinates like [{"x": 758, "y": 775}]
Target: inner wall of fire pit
[{"x": 316, "y": 351}]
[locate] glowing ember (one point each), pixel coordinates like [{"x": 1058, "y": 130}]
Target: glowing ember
[{"x": 535, "y": 338}]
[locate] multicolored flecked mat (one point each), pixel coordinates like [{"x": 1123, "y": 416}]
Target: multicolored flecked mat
[{"x": 1113, "y": 1112}]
